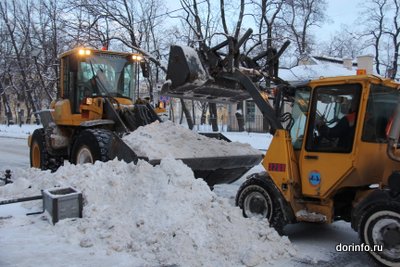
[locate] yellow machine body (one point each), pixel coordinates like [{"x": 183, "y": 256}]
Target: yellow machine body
[{"x": 367, "y": 163}]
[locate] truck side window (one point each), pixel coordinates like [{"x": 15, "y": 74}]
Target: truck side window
[
  {"x": 333, "y": 118},
  {"x": 380, "y": 108},
  {"x": 299, "y": 115}
]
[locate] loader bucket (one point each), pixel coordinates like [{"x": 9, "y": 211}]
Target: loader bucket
[
  {"x": 219, "y": 170},
  {"x": 188, "y": 77},
  {"x": 119, "y": 149},
  {"x": 214, "y": 170}
]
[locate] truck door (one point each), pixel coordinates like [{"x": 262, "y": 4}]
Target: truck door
[{"x": 328, "y": 150}]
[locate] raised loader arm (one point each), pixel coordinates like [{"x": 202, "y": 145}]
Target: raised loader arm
[{"x": 211, "y": 76}]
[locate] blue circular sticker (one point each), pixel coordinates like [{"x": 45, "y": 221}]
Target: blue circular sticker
[{"x": 314, "y": 177}]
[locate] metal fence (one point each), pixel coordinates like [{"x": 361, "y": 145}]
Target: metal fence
[
  {"x": 230, "y": 124},
  {"x": 251, "y": 124}
]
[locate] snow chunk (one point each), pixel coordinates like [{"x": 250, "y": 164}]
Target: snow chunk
[{"x": 167, "y": 139}]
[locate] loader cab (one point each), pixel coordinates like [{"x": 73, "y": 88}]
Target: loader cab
[
  {"x": 337, "y": 142},
  {"x": 89, "y": 73}
]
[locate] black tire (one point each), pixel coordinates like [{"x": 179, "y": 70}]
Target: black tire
[
  {"x": 92, "y": 145},
  {"x": 259, "y": 198},
  {"x": 380, "y": 225},
  {"x": 39, "y": 157}
]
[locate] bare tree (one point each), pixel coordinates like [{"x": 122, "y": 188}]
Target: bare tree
[
  {"x": 393, "y": 31},
  {"x": 382, "y": 32},
  {"x": 200, "y": 27},
  {"x": 343, "y": 44},
  {"x": 236, "y": 32},
  {"x": 300, "y": 16},
  {"x": 17, "y": 19},
  {"x": 374, "y": 30}
]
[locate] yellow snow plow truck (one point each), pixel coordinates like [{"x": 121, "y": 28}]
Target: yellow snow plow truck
[
  {"x": 334, "y": 151},
  {"x": 95, "y": 109}
]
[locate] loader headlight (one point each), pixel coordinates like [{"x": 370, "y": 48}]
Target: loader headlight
[
  {"x": 84, "y": 52},
  {"x": 137, "y": 57},
  {"x": 88, "y": 101}
]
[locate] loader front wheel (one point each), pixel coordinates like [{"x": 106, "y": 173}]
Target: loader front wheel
[
  {"x": 258, "y": 198},
  {"x": 91, "y": 145},
  {"x": 38, "y": 154},
  {"x": 379, "y": 231}
]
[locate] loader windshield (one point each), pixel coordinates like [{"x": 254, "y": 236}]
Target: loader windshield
[{"x": 105, "y": 74}]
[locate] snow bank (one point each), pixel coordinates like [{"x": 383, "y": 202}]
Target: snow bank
[
  {"x": 16, "y": 131},
  {"x": 167, "y": 139},
  {"x": 158, "y": 216}
]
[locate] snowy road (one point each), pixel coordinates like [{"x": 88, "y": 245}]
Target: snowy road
[
  {"x": 315, "y": 243},
  {"x": 14, "y": 152}
]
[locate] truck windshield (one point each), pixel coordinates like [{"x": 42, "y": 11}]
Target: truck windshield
[
  {"x": 299, "y": 114},
  {"x": 105, "y": 74}
]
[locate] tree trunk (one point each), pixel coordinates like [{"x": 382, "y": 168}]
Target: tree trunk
[
  {"x": 187, "y": 115},
  {"x": 266, "y": 125},
  {"x": 193, "y": 113},
  {"x": 7, "y": 109},
  {"x": 213, "y": 116},
  {"x": 204, "y": 107},
  {"x": 171, "y": 112},
  {"x": 181, "y": 116},
  {"x": 239, "y": 116}
]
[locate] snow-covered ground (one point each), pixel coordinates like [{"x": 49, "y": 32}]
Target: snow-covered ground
[
  {"x": 15, "y": 131},
  {"x": 152, "y": 216}
]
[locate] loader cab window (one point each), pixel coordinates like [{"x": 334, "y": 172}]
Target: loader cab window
[
  {"x": 333, "y": 118},
  {"x": 382, "y": 101},
  {"x": 69, "y": 65},
  {"x": 104, "y": 74},
  {"x": 299, "y": 115},
  {"x": 97, "y": 75}
]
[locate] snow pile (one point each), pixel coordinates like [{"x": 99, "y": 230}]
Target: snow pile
[
  {"x": 159, "y": 216},
  {"x": 167, "y": 139}
]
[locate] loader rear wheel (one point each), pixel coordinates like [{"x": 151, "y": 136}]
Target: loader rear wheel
[
  {"x": 259, "y": 198},
  {"x": 379, "y": 228},
  {"x": 91, "y": 145},
  {"x": 39, "y": 157}
]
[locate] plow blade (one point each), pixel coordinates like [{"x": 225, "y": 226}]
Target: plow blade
[{"x": 188, "y": 77}]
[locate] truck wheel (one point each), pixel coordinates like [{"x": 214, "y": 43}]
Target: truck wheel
[
  {"x": 379, "y": 228},
  {"x": 39, "y": 157},
  {"x": 258, "y": 198},
  {"x": 91, "y": 145}
]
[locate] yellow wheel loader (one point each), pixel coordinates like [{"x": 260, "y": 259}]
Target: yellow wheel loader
[
  {"x": 95, "y": 108},
  {"x": 331, "y": 157}
]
